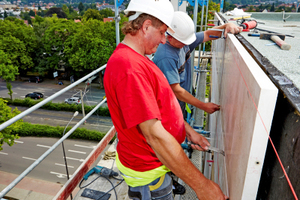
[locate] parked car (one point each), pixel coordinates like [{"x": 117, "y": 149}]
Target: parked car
[
  {"x": 35, "y": 79},
  {"x": 38, "y": 93},
  {"x": 73, "y": 100},
  {"x": 35, "y": 95}
]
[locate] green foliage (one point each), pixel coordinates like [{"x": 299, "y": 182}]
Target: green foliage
[
  {"x": 9, "y": 87},
  {"x": 272, "y": 8},
  {"x": 38, "y": 130},
  {"x": 91, "y": 46},
  {"x": 65, "y": 9},
  {"x": 7, "y": 135},
  {"x": 92, "y": 14},
  {"x": 228, "y": 6},
  {"x": 8, "y": 71},
  {"x": 18, "y": 41},
  {"x": 53, "y": 42},
  {"x": 31, "y": 13},
  {"x": 107, "y": 12},
  {"x": 28, "y": 102},
  {"x": 80, "y": 7},
  {"x": 212, "y": 6},
  {"x": 58, "y": 11},
  {"x": 26, "y": 16}
]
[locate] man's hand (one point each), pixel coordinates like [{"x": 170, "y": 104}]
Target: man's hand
[
  {"x": 211, "y": 108},
  {"x": 232, "y": 28},
  {"x": 211, "y": 191},
  {"x": 199, "y": 142}
]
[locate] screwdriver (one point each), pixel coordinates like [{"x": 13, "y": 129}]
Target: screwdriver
[{"x": 210, "y": 148}]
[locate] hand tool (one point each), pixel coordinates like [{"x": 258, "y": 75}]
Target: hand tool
[
  {"x": 215, "y": 29},
  {"x": 249, "y": 25},
  {"x": 274, "y": 32},
  {"x": 103, "y": 171},
  {"x": 277, "y": 38},
  {"x": 210, "y": 148},
  {"x": 254, "y": 34}
]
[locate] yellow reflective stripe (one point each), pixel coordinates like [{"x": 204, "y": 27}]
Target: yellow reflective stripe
[
  {"x": 187, "y": 108},
  {"x": 134, "y": 178},
  {"x": 158, "y": 184}
]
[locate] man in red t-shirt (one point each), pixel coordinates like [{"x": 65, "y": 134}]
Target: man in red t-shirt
[{"x": 146, "y": 113}]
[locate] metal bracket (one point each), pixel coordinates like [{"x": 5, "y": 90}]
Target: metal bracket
[{"x": 215, "y": 29}]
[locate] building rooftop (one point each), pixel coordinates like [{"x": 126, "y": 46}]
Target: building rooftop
[{"x": 282, "y": 66}]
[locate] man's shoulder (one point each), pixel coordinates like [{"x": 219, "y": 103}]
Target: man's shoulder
[{"x": 165, "y": 51}]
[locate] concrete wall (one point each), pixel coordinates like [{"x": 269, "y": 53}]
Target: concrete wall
[{"x": 247, "y": 98}]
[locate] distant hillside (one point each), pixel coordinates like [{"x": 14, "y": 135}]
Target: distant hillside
[{"x": 253, "y": 2}]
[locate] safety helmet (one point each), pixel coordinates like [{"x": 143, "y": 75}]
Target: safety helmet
[
  {"x": 184, "y": 28},
  {"x": 161, "y": 9}
]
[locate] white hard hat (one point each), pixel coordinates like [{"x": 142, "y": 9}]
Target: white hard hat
[
  {"x": 184, "y": 28},
  {"x": 161, "y": 9}
]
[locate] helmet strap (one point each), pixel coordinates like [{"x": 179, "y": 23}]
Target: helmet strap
[{"x": 133, "y": 17}]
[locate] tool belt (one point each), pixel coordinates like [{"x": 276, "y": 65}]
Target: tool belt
[{"x": 154, "y": 194}]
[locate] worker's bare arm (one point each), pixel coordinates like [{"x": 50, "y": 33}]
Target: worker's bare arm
[
  {"x": 170, "y": 153},
  {"x": 228, "y": 28},
  {"x": 185, "y": 96},
  {"x": 196, "y": 138}
]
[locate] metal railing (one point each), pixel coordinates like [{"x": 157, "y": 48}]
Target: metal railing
[{"x": 35, "y": 107}]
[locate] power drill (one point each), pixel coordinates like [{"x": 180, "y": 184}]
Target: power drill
[{"x": 102, "y": 171}]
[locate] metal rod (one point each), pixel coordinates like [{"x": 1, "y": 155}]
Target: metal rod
[
  {"x": 117, "y": 23},
  {"x": 274, "y": 32},
  {"x": 33, "y": 108},
  {"x": 42, "y": 157},
  {"x": 63, "y": 148}
]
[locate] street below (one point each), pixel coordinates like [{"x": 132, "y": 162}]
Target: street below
[{"x": 51, "y": 172}]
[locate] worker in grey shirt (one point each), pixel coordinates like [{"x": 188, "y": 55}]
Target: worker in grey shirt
[{"x": 173, "y": 57}]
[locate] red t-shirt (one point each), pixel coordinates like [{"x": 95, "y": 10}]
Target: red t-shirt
[{"x": 137, "y": 91}]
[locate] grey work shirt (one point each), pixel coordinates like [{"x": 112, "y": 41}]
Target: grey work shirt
[{"x": 176, "y": 63}]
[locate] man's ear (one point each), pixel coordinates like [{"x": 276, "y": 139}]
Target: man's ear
[
  {"x": 170, "y": 38},
  {"x": 147, "y": 23}
]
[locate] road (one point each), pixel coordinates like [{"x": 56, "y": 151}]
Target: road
[
  {"x": 61, "y": 118},
  {"x": 17, "y": 158},
  {"x": 48, "y": 87}
]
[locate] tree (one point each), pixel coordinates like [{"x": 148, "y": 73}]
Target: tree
[
  {"x": 272, "y": 8},
  {"x": 40, "y": 25},
  {"x": 5, "y": 14},
  {"x": 7, "y": 71},
  {"x": 293, "y": 6},
  {"x": 70, "y": 8},
  {"x": 92, "y": 14},
  {"x": 107, "y": 12},
  {"x": 17, "y": 43},
  {"x": 91, "y": 46},
  {"x": 80, "y": 7},
  {"x": 58, "y": 11},
  {"x": 251, "y": 8},
  {"x": 53, "y": 42},
  {"x": 65, "y": 9},
  {"x": 5, "y": 114},
  {"x": 31, "y": 13}
]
